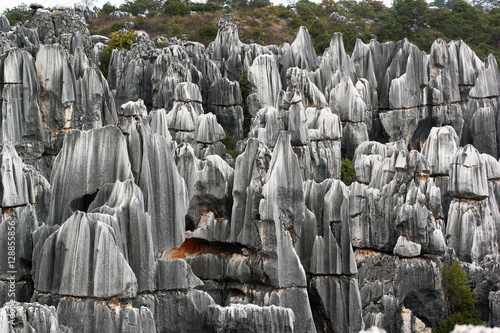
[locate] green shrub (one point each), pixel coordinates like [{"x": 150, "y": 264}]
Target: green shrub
[
  {"x": 176, "y": 8},
  {"x": 140, "y": 23},
  {"x": 347, "y": 172},
  {"x": 461, "y": 303},
  {"x": 321, "y": 43},
  {"x": 117, "y": 26},
  {"x": 245, "y": 91},
  {"x": 209, "y": 32},
  {"x": 296, "y": 23},
  {"x": 257, "y": 33},
  {"x": 119, "y": 42},
  {"x": 17, "y": 14}
]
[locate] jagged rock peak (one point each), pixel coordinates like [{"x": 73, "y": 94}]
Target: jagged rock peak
[{"x": 301, "y": 54}]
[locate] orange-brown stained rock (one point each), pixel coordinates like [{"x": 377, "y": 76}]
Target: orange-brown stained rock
[{"x": 190, "y": 249}]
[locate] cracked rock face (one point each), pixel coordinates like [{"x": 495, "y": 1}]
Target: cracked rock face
[{"x": 133, "y": 211}]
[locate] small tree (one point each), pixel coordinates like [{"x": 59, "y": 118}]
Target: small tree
[
  {"x": 347, "y": 172},
  {"x": 461, "y": 303},
  {"x": 176, "y": 8},
  {"x": 119, "y": 41}
]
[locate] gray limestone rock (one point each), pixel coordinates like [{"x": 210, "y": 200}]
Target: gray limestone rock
[
  {"x": 249, "y": 318},
  {"x": 4, "y": 23},
  {"x": 472, "y": 230},
  {"x": 131, "y": 108},
  {"x": 267, "y": 126},
  {"x": 87, "y": 161},
  {"x": 494, "y": 298},
  {"x": 122, "y": 208},
  {"x": 265, "y": 84},
  {"x": 41, "y": 20},
  {"x": 21, "y": 117},
  {"x": 482, "y": 127},
  {"x": 17, "y": 180},
  {"x": 248, "y": 176},
  {"x": 337, "y": 304},
  {"x": 488, "y": 80},
  {"x": 158, "y": 122},
  {"x": 406, "y": 248},
  {"x": 87, "y": 315},
  {"x": 387, "y": 283},
  {"x": 175, "y": 275},
  {"x": 181, "y": 311},
  {"x": 83, "y": 259},
  {"x": 23, "y": 222},
  {"x": 225, "y": 50},
  {"x": 224, "y": 100},
  {"x": 301, "y": 54},
  {"x": 295, "y": 299},
  {"x": 468, "y": 174},
  {"x": 30, "y": 317},
  {"x": 444, "y": 77},
  {"x": 334, "y": 61},
  {"x": 439, "y": 149},
  {"x": 346, "y": 102},
  {"x": 209, "y": 184},
  {"x": 208, "y": 130},
  {"x": 154, "y": 170}
]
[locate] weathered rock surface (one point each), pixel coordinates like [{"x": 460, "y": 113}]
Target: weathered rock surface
[
  {"x": 147, "y": 224},
  {"x": 249, "y": 318},
  {"x": 83, "y": 167},
  {"x": 82, "y": 259},
  {"x": 31, "y": 317}
]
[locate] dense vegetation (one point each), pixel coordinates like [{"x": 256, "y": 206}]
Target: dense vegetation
[
  {"x": 477, "y": 23},
  {"x": 461, "y": 303}
]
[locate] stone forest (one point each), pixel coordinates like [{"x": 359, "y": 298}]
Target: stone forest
[{"x": 138, "y": 201}]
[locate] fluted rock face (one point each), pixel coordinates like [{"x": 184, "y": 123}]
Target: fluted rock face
[
  {"x": 147, "y": 224},
  {"x": 468, "y": 174},
  {"x": 208, "y": 130},
  {"x": 89, "y": 316},
  {"x": 249, "y": 318},
  {"x": 32, "y": 317},
  {"x": 418, "y": 211},
  {"x": 23, "y": 221},
  {"x": 181, "y": 311},
  {"x": 494, "y": 299},
  {"x": 335, "y": 64},
  {"x": 225, "y": 50},
  {"x": 439, "y": 149},
  {"x": 414, "y": 282},
  {"x": 224, "y": 100},
  {"x": 472, "y": 230},
  {"x": 82, "y": 259},
  {"x": 22, "y": 121},
  {"x": 265, "y": 84},
  {"x": 154, "y": 171},
  {"x": 482, "y": 127},
  {"x": 87, "y": 161},
  {"x": 4, "y": 23},
  {"x": 17, "y": 181},
  {"x": 172, "y": 66},
  {"x": 122, "y": 208},
  {"x": 209, "y": 182},
  {"x": 301, "y": 54}
]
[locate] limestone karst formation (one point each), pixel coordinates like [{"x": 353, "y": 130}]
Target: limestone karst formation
[{"x": 131, "y": 215}]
